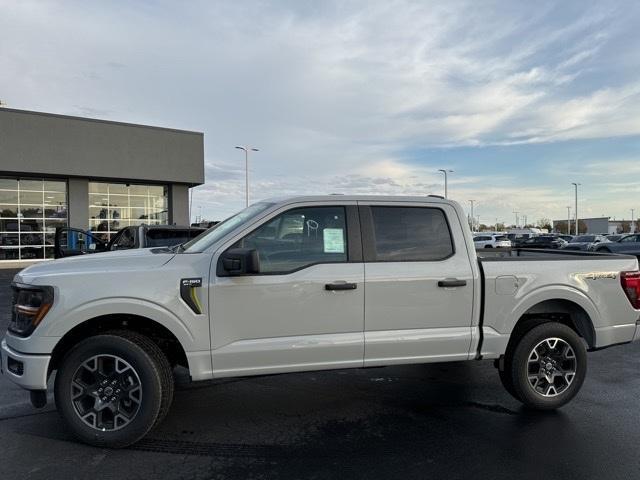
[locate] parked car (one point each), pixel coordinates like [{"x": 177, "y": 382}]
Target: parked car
[
  {"x": 70, "y": 242},
  {"x": 585, "y": 242},
  {"x": 566, "y": 238},
  {"x": 614, "y": 237},
  {"x": 280, "y": 287},
  {"x": 491, "y": 241},
  {"x": 629, "y": 244},
  {"x": 542, "y": 241}
]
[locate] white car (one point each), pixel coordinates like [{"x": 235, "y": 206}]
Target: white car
[
  {"x": 280, "y": 287},
  {"x": 491, "y": 241}
]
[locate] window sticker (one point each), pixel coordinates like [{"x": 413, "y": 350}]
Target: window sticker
[{"x": 333, "y": 240}]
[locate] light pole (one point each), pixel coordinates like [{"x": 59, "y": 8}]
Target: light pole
[
  {"x": 446, "y": 183},
  {"x": 246, "y": 173},
  {"x": 576, "y": 206},
  {"x": 472, "y": 217},
  {"x": 568, "y": 220},
  {"x": 633, "y": 225},
  {"x": 517, "y": 224}
]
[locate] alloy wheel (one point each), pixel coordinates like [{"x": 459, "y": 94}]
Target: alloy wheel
[
  {"x": 551, "y": 367},
  {"x": 106, "y": 392}
]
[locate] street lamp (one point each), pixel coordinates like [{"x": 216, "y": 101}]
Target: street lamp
[
  {"x": 472, "y": 218},
  {"x": 446, "y": 184},
  {"x": 246, "y": 166},
  {"x": 576, "y": 206},
  {"x": 568, "y": 220}
]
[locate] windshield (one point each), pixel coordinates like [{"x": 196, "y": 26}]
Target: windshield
[
  {"x": 218, "y": 231},
  {"x": 584, "y": 239}
]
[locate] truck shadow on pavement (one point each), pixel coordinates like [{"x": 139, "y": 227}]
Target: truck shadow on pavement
[{"x": 448, "y": 418}]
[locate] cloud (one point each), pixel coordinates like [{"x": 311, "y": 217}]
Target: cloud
[{"x": 368, "y": 96}]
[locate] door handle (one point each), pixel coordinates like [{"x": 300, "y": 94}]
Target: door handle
[
  {"x": 451, "y": 282},
  {"x": 340, "y": 286}
]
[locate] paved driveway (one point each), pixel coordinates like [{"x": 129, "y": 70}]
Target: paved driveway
[{"x": 451, "y": 421}]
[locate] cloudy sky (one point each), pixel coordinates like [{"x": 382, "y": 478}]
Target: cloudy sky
[{"x": 518, "y": 98}]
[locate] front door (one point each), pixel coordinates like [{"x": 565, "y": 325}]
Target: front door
[
  {"x": 419, "y": 295},
  {"x": 304, "y": 310}
]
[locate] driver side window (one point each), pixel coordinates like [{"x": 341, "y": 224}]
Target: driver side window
[{"x": 299, "y": 238}]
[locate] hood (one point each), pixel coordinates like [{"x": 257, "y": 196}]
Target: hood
[{"x": 135, "y": 259}]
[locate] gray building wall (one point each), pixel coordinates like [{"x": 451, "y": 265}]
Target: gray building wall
[
  {"x": 179, "y": 204},
  {"x": 82, "y": 150},
  {"x": 47, "y": 144},
  {"x": 78, "y": 196}
]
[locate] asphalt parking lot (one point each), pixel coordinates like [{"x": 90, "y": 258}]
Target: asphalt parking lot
[{"x": 450, "y": 421}]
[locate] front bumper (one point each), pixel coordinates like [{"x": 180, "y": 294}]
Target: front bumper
[{"x": 28, "y": 371}]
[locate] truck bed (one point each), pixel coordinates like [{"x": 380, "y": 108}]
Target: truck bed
[{"x": 523, "y": 254}]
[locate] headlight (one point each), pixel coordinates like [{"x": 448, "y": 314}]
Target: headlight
[{"x": 30, "y": 305}]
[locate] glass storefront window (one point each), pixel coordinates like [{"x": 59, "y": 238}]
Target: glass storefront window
[
  {"x": 30, "y": 210},
  {"x": 113, "y": 206}
]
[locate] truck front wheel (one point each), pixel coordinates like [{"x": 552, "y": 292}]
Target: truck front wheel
[
  {"x": 547, "y": 367},
  {"x": 112, "y": 389}
]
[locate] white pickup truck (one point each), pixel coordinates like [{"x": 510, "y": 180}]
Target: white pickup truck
[{"x": 309, "y": 283}]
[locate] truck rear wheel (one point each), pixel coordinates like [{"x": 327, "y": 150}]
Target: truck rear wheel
[
  {"x": 547, "y": 366},
  {"x": 112, "y": 389}
]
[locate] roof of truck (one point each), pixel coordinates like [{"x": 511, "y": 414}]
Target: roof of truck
[{"x": 350, "y": 198}]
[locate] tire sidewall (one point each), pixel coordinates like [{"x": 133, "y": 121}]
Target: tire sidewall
[
  {"x": 150, "y": 381},
  {"x": 519, "y": 365}
]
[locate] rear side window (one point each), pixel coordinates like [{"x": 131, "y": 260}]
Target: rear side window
[{"x": 409, "y": 234}]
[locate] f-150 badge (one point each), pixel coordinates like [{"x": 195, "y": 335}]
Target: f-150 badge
[{"x": 189, "y": 294}]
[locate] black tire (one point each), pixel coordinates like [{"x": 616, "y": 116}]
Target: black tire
[
  {"x": 519, "y": 367},
  {"x": 145, "y": 362},
  {"x": 488, "y": 246}
]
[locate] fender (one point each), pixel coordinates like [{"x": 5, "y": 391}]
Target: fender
[
  {"x": 50, "y": 332},
  {"x": 546, "y": 293}
]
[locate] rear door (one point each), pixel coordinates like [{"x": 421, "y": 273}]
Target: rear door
[{"x": 419, "y": 288}]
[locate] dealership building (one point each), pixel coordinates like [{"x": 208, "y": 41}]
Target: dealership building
[{"x": 58, "y": 170}]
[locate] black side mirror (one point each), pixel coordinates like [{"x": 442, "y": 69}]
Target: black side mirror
[{"x": 238, "y": 261}]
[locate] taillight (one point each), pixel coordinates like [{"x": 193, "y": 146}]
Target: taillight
[{"x": 631, "y": 285}]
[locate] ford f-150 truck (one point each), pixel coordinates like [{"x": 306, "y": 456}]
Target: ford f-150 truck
[{"x": 309, "y": 283}]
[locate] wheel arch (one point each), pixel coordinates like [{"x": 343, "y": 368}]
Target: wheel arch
[
  {"x": 158, "y": 333},
  {"x": 559, "y": 310}
]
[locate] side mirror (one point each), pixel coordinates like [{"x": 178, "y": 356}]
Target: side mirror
[{"x": 238, "y": 261}]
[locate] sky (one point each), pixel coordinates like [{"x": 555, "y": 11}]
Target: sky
[{"x": 519, "y": 99}]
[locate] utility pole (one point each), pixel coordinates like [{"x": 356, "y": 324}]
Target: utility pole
[
  {"x": 446, "y": 182},
  {"x": 576, "y": 206},
  {"x": 568, "y": 220},
  {"x": 517, "y": 224},
  {"x": 472, "y": 217},
  {"x": 633, "y": 225},
  {"x": 246, "y": 173}
]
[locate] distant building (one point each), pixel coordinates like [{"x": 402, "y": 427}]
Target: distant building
[
  {"x": 57, "y": 171},
  {"x": 595, "y": 225}
]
